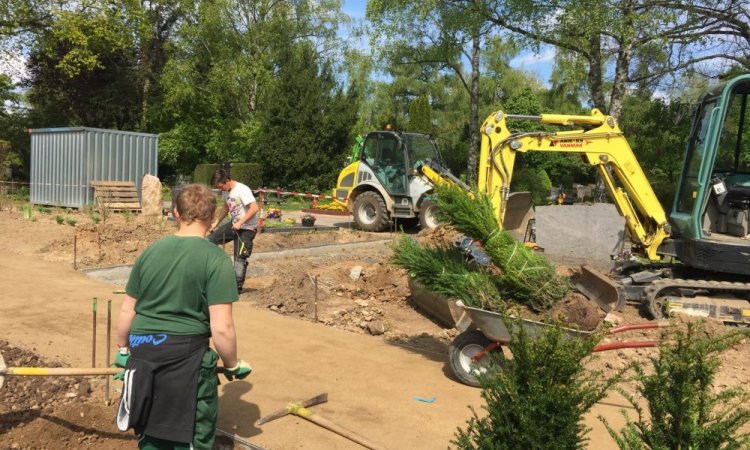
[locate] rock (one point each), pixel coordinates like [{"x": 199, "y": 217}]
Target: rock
[
  {"x": 356, "y": 272},
  {"x": 376, "y": 328},
  {"x": 84, "y": 388},
  {"x": 362, "y": 303},
  {"x": 151, "y": 197},
  {"x": 613, "y": 318}
]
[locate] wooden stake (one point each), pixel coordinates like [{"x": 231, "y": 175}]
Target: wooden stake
[
  {"x": 315, "y": 282},
  {"x": 109, "y": 346},
  {"x": 93, "y": 338}
]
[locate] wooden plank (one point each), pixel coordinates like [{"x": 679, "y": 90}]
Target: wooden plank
[
  {"x": 115, "y": 189},
  {"x": 116, "y": 195},
  {"x": 123, "y": 205},
  {"x": 123, "y": 195},
  {"x": 112, "y": 184}
]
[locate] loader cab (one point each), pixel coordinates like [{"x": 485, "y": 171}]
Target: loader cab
[
  {"x": 393, "y": 156},
  {"x": 383, "y": 153},
  {"x": 711, "y": 211}
]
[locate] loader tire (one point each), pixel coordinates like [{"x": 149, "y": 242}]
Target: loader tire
[
  {"x": 427, "y": 218},
  {"x": 370, "y": 213},
  {"x": 462, "y": 350}
]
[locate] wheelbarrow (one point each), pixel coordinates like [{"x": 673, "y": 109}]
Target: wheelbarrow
[{"x": 483, "y": 332}]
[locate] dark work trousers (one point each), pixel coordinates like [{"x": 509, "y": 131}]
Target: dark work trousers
[{"x": 243, "y": 248}]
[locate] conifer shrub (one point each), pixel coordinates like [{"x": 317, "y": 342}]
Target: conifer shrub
[
  {"x": 445, "y": 271},
  {"x": 539, "y": 397},
  {"x": 684, "y": 408},
  {"x": 527, "y": 277}
]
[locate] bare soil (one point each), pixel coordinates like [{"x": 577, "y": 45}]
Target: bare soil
[{"x": 331, "y": 285}]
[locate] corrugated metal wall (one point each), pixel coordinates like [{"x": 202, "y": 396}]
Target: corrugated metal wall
[{"x": 65, "y": 160}]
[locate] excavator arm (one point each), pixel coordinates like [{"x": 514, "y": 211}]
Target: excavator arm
[{"x": 600, "y": 143}]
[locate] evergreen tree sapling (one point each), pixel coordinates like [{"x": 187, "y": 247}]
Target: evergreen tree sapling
[
  {"x": 446, "y": 271},
  {"x": 527, "y": 277},
  {"x": 685, "y": 410},
  {"x": 539, "y": 398}
]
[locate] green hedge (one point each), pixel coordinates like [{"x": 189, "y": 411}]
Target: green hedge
[
  {"x": 250, "y": 174},
  {"x": 204, "y": 172}
]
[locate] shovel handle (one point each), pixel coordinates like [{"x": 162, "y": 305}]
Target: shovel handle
[
  {"x": 59, "y": 371},
  {"x": 66, "y": 371},
  {"x": 341, "y": 431}
]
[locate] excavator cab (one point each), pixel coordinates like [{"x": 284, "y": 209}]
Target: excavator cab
[{"x": 711, "y": 214}]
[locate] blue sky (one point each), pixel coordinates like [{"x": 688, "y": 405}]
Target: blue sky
[
  {"x": 540, "y": 65},
  {"x": 355, "y": 8}
]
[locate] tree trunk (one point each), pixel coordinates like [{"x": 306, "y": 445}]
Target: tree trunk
[
  {"x": 618, "y": 84},
  {"x": 471, "y": 169},
  {"x": 624, "y": 55},
  {"x": 596, "y": 84}
]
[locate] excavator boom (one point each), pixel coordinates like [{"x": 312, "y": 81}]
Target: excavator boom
[{"x": 600, "y": 143}]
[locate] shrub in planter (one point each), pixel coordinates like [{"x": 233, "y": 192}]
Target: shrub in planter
[{"x": 308, "y": 221}]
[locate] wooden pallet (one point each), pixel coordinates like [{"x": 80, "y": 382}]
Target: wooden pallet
[{"x": 116, "y": 195}]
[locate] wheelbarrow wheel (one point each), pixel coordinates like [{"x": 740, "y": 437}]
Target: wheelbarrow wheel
[{"x": 463, "y": 348}]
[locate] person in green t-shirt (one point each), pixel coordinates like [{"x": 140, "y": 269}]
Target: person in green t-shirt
[{"x": 179, "y": 294}]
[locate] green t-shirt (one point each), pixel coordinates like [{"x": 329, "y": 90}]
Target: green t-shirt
[{"x": 175, "y": 280}]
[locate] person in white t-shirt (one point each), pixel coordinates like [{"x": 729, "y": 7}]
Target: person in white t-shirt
[{"x": 240, "y": 203}]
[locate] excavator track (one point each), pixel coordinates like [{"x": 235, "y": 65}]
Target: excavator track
[{"x": 722, "y": 300}]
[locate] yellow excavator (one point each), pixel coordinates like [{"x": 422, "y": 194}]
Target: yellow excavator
[{"x": 696, "y": 260}]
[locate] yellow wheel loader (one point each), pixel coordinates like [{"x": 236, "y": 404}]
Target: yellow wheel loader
[{"x": 391, "y": 175}]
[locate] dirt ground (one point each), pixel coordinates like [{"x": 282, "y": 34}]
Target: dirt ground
[{"x": 320, "y": 311}]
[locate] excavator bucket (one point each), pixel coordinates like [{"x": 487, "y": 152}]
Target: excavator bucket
[
  {"x": 519, "y": 212},
  {"x": 599, "y": 288}
]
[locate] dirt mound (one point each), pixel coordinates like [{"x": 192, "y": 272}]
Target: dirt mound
[
  {"x": 578, "y": 310},
  {"x": 53, "y": 412},
  {"x": 22, "y": 397},
  {"x": 442, "y": 236},
  {"x": 348, "y": 295},
  {"x": 122, "y": 238}
]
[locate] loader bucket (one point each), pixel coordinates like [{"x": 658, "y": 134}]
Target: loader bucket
[
  {"x": 519, "y": 211},
  {"x": 600, "y": 289}
]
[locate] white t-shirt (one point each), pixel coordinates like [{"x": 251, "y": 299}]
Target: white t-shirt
[{"x": 238, "y": 201}]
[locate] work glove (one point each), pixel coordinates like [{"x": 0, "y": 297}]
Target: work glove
[
  {"x": 240, "y": 371},
  {"x": 121, "y": 360}
]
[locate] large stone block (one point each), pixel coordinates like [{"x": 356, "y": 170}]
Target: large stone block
[{"x": 151, "y": 197}]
